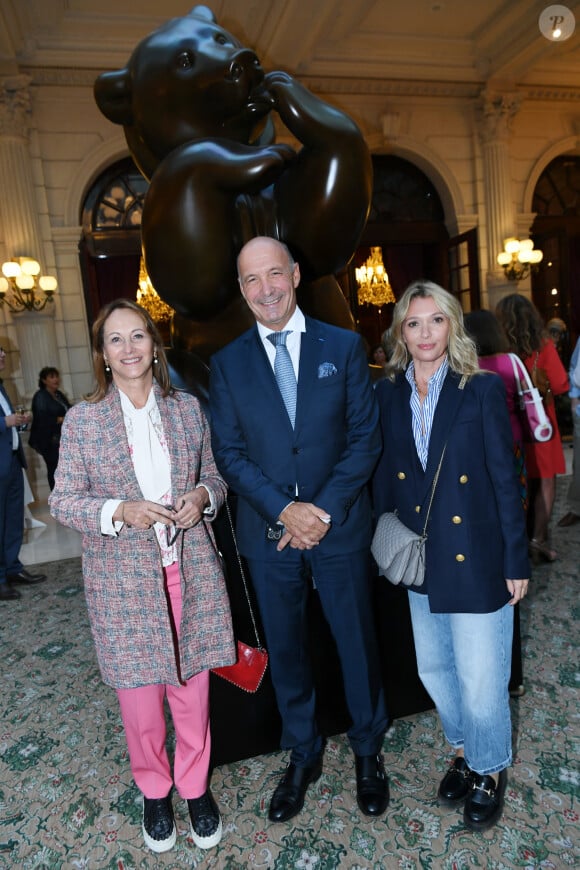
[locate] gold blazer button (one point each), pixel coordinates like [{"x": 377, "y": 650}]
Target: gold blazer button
[
  {"x": 463, "y": 479},
  {"x": 456, "y": 520},
  {"x": 401, "y": 475},
  {"x": 417, "y": 508},
  {"x": 460, "y": 557}
]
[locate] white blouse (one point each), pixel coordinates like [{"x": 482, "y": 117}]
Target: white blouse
[{"x": 152, "y": 463}]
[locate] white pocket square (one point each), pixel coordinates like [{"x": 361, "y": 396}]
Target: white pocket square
[{"x": 326, "y": 369}]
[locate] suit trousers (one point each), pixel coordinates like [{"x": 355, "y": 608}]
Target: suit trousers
[
  {"x": 343, "y": 584},
  {"x": 142, "y": 711},
  {"x": 11, "y": 518}
]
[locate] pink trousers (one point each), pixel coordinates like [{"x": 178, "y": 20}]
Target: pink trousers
[{"x": 142, "y": 711}]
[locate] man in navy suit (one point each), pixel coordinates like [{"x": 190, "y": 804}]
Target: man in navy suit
[
  {"x": 12, "y": 462},
  {"x": 300, "y": 472}
]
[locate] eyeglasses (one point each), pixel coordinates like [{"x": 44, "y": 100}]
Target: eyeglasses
[{"x": 171, "y": 532}]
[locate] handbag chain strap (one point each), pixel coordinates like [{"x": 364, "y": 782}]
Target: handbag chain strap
[
  {"x": 243, "y": 575},
  {"x": 435, "y": 479}
]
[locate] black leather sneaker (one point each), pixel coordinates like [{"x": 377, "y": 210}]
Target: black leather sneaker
[
  {"x": 206, "y": 823},
  {"x": 159, "y": 830}
]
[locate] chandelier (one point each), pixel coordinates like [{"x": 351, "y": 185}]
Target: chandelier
[
  {"x": 22, "y": 288},
  {"x": 519, "y": 258},
  {"x": 373, "y": 282},
  {"x": 148, "y": 298}
]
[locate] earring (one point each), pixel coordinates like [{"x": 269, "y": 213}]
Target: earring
[
  {"x": 107, "y": 367},
  {"x": 155, "y": 360}
]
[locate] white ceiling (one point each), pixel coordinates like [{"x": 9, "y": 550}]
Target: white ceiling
[{"x": 371, "y": 42}]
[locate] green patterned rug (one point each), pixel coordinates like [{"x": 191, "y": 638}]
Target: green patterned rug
[{"x": 67, "y": 799}]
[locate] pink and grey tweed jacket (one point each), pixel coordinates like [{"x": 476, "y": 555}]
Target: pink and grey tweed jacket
[{"x": 123, "y": 575}]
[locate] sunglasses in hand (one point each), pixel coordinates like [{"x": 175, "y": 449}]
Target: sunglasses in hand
[{"x": 171, "y": 531}]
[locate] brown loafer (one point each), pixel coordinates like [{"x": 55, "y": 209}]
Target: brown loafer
[{"x": 568, "y": 520}]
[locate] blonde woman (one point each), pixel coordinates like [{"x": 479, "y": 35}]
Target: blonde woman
[{"x": 436, "y": 402}]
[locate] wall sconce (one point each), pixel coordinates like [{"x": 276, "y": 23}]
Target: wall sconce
[
  {"x": 20, "y": 279},
  {"x": 373, "y": 282},
  {"x": 519, "y": 258}
]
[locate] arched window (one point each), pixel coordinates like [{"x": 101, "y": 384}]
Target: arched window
[
  {"x": 407, "y": 221},
  {"x": 556, "y": 231},
  {"x": 110, "y": 246}
]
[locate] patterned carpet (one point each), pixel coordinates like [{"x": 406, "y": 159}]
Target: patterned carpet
[{"x": 67, "y": 799}]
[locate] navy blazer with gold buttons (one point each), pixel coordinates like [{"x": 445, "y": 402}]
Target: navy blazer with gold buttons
[{"x": 476, "y": 532}]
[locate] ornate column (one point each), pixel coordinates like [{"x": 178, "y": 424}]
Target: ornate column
[
  {"x": 18, "y": 207},
  {"x": 20, "y": 224},
  {"x": 496, "y": 112}
]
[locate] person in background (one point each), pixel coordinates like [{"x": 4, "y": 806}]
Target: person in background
[
  {"x": 492, "y": 350},
  {"x": 556, "y": 329},
  {"x": 558, "y": 333},
  {"x": 12, "y": 461},
  {"x": 137, "y": 478},
  {"x": 526, "y": 336},
  {"x": 377, "y": 355},
  {"x": 573, "y": 495},
  {"x": 49, "y": 405},
  {"x": 377, "y": 361},
  {"x": 491, "y": 345},
  {"x": 297, "y": 442},
  {"x": 439, "y": 410}
]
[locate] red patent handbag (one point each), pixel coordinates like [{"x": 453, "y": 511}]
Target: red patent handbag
[{"x": 248, "y": 671}]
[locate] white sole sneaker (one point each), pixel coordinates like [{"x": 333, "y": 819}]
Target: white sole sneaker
[
  {"x": 207, "y": 842},
  {"x": 169, "y": 841},
  {"x": 160, "y": 845}
]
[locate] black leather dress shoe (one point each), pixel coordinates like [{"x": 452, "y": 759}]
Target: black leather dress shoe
[
  {"x": 7, "y": 593},
  {"x": 372, "y": 785},
  {"x": 288, "y": 799},
  {"x": 26, "y": 578},
  {"x": 484, "y": 803},
  {"x": 568, "y": 519},
  {"x": 455, "y": 785}
]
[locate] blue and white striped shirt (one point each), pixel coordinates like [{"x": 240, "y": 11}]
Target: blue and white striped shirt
[{"x": 422, "y": 414}]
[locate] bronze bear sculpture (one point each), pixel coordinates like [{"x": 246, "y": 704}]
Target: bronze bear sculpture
[{"x": 196, "y": 107}]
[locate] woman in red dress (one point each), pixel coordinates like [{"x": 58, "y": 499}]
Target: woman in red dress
[{"x": 527, "y": 337}]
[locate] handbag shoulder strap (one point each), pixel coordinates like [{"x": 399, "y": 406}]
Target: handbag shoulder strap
[
  {"x": 243, "y": 576},
  {"x": 435, "y": 479},
  {"x": 520, "y": 372}
]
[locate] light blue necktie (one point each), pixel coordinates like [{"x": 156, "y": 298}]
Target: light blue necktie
[{"x": 284, "y": 371}]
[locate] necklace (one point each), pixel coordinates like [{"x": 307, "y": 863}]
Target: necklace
[{"x": 422, "y": 389}]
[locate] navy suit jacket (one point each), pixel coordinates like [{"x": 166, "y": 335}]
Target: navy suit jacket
[
  {"x": 330, "y": 453},
  {"x": 476, "y": 533},
  {"x": 6, "y": 442}
]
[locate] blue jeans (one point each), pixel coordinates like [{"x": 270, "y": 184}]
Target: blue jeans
[{"x": 464, "y": 662}]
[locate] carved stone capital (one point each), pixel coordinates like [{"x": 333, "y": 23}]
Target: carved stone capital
[
  {"x": 15, "y": 105},
  {"x": 496, "y": 110}
]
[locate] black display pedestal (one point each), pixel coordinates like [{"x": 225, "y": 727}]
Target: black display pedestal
[{"x": 245, "y": 725}]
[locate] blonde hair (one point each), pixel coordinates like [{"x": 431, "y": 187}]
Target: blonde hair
[
  {"x": 104, "y": 377},
  {"x": 461, "y": 349}
]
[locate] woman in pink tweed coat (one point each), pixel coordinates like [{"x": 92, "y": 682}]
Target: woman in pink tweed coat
[{"x": 137, "y": 477}]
